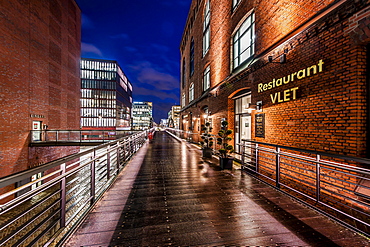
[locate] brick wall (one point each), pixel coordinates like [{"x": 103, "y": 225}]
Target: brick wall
[
  {"x": 40, "y": 51},
  {"x": 328, "y": 112}
]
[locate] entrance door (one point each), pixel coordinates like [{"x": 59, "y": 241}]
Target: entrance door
[
  {"x": 242, "y": 129},
  {"x": 245, "y": 127},
  {"x": 36, "y": 135}
]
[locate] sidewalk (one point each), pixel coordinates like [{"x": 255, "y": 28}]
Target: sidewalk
[{"x": 169, "y": 195}]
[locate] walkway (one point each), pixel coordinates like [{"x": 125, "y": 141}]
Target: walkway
[{"x": 168, "y": 195}]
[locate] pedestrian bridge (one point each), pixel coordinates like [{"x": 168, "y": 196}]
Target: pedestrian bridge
[{"x": 138, "y": 192}]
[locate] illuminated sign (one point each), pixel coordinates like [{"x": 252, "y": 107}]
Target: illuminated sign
[
  {"x": 37, "y": 116},
  {"x": 260, "y": 125},
  {"x": 289, "y": 94}
]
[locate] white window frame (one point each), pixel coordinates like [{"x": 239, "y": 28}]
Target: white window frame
[
  {"x": 191, "y": 92},
  {"x": 207, "y": 78},
  {"x": 206, "y": 28},
  {"x": 235, "y": 3},
  {"x": 183, "y": 100},
  {"x": 243, "y": 42}
]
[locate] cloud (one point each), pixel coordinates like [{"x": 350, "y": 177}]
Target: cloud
[
  {"x": 89, "y": 48},
  {"x": 130, "y": 49},
  {"x": 163, "y": 95},
  {"x": 86, "y": 22},
  {"x": 123, "y": 36},
  {"x": 150, "y": 76},
  {"x": 161, "y": 48}
]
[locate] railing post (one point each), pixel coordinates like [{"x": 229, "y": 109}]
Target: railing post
[
  {"x": 257, "y": 167},
  {"x": 108, "y": 162},
  {"x": 118, "y": 156},
  {"x": 63, "y": 197},
  {"x": 318, "y": 171},
  {"x": 92, "y": 179},
  {"x": 243, "y": 153},
  {"x": 277, "y": 159}
]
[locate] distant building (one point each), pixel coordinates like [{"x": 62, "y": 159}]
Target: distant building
[
  {"x": 142, "y": 115},
  {"x": 164, "y": 122},
  {"x": 106, "y": 95},
  {"x": 174, "y": 117},
  {"x": 40, "y": 54}
]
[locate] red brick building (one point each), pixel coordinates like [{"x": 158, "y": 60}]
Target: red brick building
[
  {"x": 40, "y": 84},
  {"x": 303, "y": 66}
]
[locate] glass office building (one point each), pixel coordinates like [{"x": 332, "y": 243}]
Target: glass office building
[
  {"x": 106, "y": 95},
  {"x": 142, "y": 115}
]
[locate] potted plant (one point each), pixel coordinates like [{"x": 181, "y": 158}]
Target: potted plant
[
  {"x": 223, "y": 138},
  {"x": 207, "y": 141}
]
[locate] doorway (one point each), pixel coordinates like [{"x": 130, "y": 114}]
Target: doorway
[
  {"x": 243, "y": 120},
  {"x": 36, "y": 133}
]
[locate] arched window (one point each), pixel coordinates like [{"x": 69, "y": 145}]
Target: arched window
[{"x": 243, "y": 42}]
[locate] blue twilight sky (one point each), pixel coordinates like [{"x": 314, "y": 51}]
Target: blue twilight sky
[{"x": 143, "y": 36}]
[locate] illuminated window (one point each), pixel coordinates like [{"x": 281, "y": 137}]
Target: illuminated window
[
  {"x": 206, "y": 78},
  {"x": 183, "y": 100},
  {"x": 206, "y": 29},
  {"x": 243, "y": 42},
  {"x": 235, "y": 3},
  {"x": 191, "y": 57},
  {"x": 191, "y": 92}
]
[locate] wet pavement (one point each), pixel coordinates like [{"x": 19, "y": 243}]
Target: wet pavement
[{"x": 169, "y": 195}]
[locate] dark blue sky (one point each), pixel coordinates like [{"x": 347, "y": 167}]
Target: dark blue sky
[{"x": 143, "y": 36}]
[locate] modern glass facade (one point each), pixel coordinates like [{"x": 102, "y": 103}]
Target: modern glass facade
[
  {"x": 106, "y": 95},
  {"x": 142, "y": 115}
]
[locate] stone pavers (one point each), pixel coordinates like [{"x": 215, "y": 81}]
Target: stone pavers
[{"x": 169, "y": 195}]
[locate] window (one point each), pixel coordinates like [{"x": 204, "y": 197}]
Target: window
[
  {"x": 206, "y": 78},
  {"x": 183, "y": 73},
  {"x": 191, "y": 57},
  {"x": 206, "y": 29},
  {"x": 183, "y": 100},
  {"x": 235, "y": 3},
  {"x": 191, "y": 92},
  {"x": 243, "y": 42}
]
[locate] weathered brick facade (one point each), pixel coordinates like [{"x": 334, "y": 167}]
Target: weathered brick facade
[
  {"x": 324, "y": 108},
  {"x": 39, "y": 69}
]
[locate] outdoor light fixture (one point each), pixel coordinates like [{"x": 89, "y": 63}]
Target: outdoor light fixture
[
  {"x": 251, "y": 107},
  {"x": 282, "y": 59},
  {"x": 259, "y": 105}
]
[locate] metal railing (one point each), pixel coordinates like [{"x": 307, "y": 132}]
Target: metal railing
[
  {"x": 44, "y": 211},
  {"x": 338, "y": 186},
  {"x": 77, "y": 136}
]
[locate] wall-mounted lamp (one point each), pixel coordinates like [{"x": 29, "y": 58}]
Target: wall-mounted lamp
[
  {"x": 251, "y": 107},
  {"x": 259, "y": 105},
  {"x": 282, "y": 59}
]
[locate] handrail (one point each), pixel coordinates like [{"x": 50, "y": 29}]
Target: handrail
[
  {"x": 336, "y": 185},
  {"x": 350, "y": 158},
  {"x": 63, "y": 206},
  {"x": 76, "y": 136}
]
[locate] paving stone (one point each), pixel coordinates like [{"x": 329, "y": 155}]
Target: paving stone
[{"x": 177, "y": 198}]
